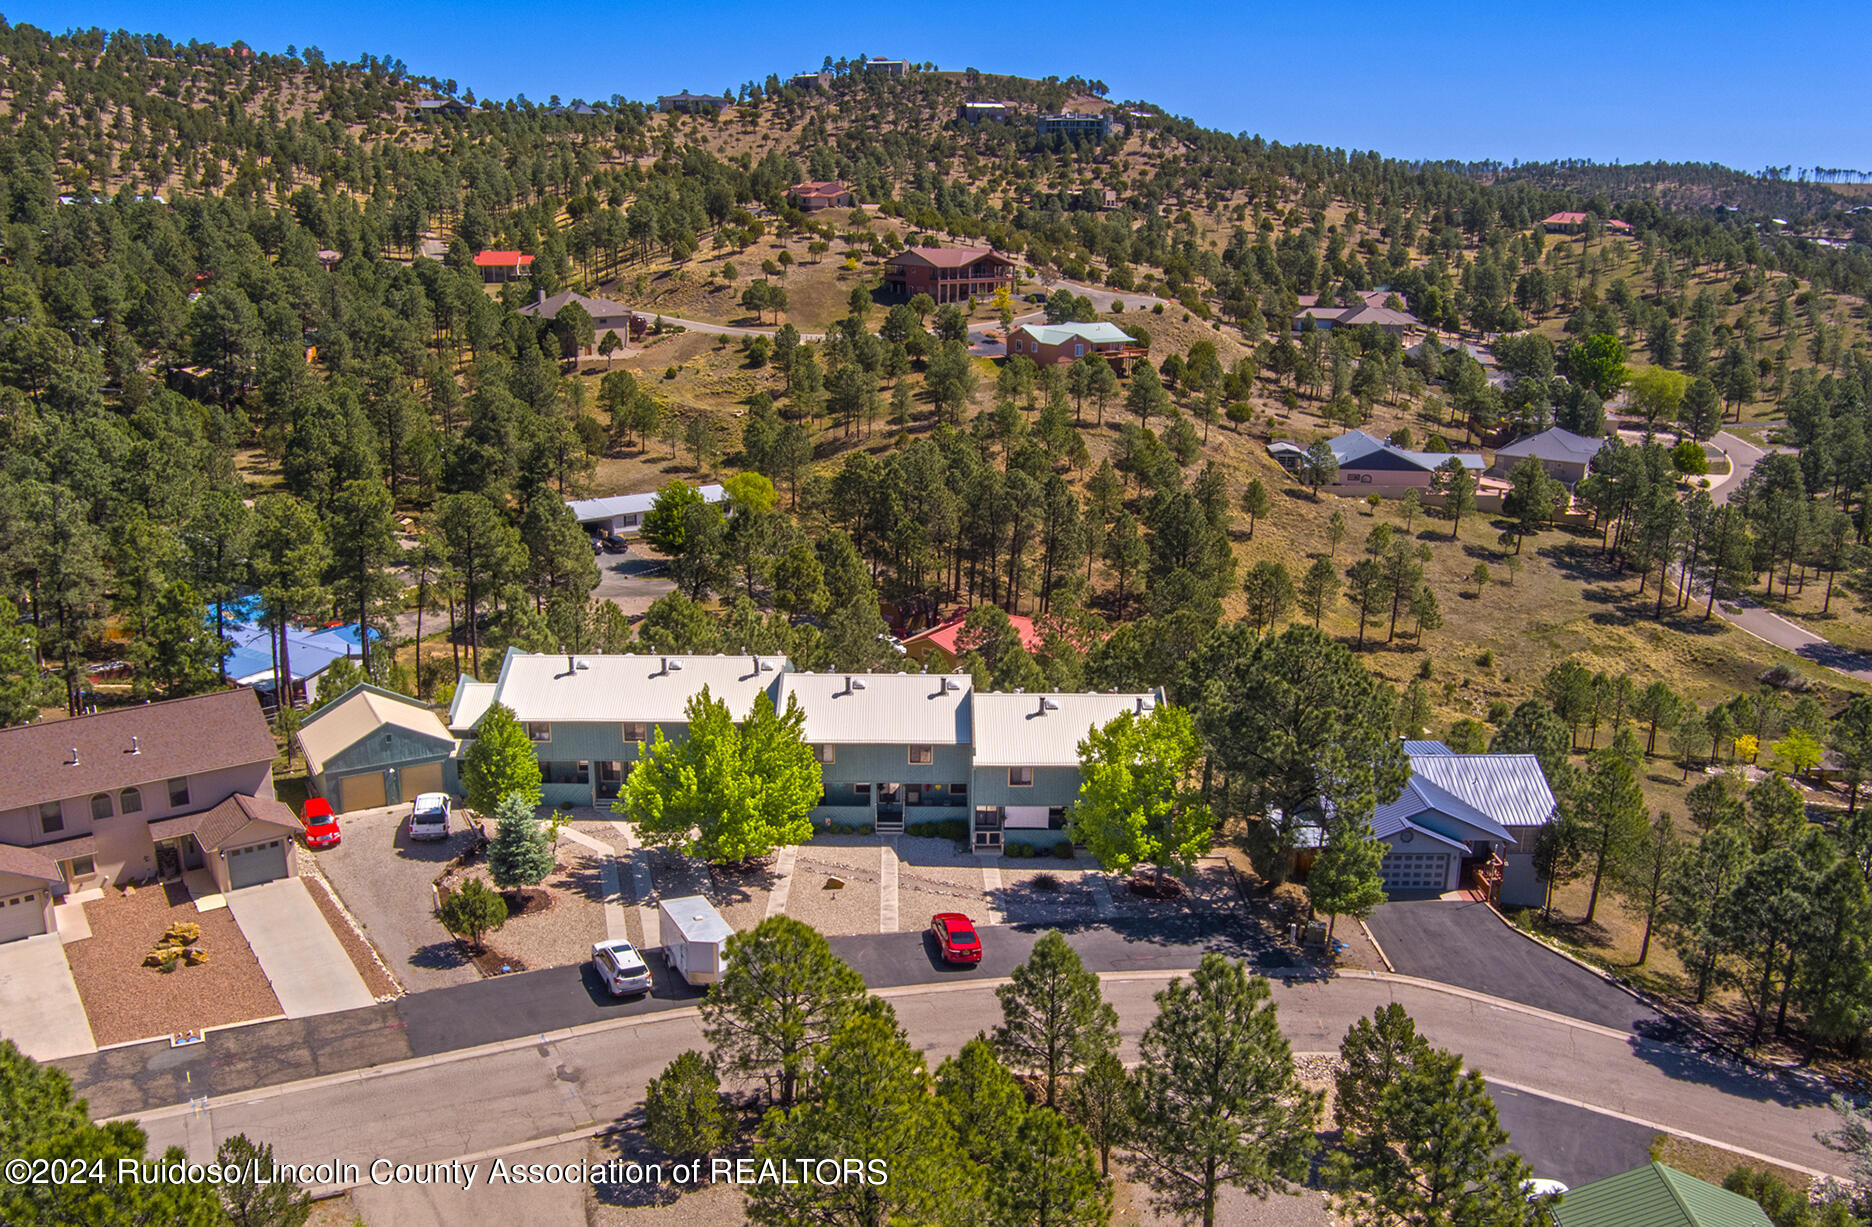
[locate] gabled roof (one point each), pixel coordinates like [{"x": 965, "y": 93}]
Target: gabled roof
[
  {"x": 586, "y": 510},
  {"x": 946, "y": 634},
  {"x": 1011, "y": 730},
  {"x": 360, "y": 712},
  {"x": 819, "y": 187},
  {"x": 1102, "y": 332},
  {"x": 1426, "y": 747},
  {"x": 240, "y": 819},
  {"x": 598, "y": 308},
  {"x": 950, "y": 257},
  {"x": 1656, "y": 1196},
  {"x": 27, "y": 863},
  {"x": 502, "y": 259},
  {"x": 1387, "y": 826},
  {"x": 1555, "y": 443},
  {"x": 1356, "y": 449},
  {"x": 540, "y": 687},
  {"x": 1510, "y": 789},
  {"x": 309, "y": 651},
  {"x": 1422, "y": 796},
  {"x": 176, "y": 738},
  {"x": 471, "y": 701},
  {"x": 881, "y": 708}
]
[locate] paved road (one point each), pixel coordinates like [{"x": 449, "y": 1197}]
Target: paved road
[
  {"x": 1467, "y": 944},
  {"x": 566, "y": 1083},
  {"x": 1566, "y": 1143}
]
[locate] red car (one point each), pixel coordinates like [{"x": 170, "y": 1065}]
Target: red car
[
  {"x": 321, "y": 825},
  {"x": 955, "y": 937}
]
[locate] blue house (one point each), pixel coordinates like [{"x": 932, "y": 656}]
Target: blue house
[{"x": 1466, "y": 820}]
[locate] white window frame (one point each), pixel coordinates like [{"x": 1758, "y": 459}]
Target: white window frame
[
  {"x": 1079, "y": 349},
  {"x": 826, "y": 754},
  {"x": 634, "y": 731},
  {"x": 1015, "y": 774}
]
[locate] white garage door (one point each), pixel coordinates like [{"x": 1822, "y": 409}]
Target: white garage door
[
  {"x": 356, "y": 792},
  {"x": 1415, "y": 870},
  {"x": 22, "y": 916},
  {"x": 257, "y": 863}
]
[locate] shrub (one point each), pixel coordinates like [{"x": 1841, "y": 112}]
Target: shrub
[
  {"x": 1487, "y": 659},
  {"x": 1011, "y": 850},
  {"x": 1425, "y": 668},
  {"x": 1045, "y": 883},
  {"x": 683, "y": 1110},
  {"x": 1498, "y": 711},
  {"x": 1156, "y": 308},
  {"x": 864, "y": 828},
  {"x": 1063, "y": 850},
  {"x": 955, "y": 828},
  {"x": 473, "y": 911},
  {"x": 922, "y": 830}
]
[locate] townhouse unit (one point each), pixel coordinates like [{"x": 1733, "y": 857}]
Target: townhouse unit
[
  {"x": 138, "y": 794},
  {"x": 892, "y": 748}
]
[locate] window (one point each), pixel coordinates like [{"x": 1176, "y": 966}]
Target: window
[
  {"x": 1020, "y": 777},
  {"x": 80, "y": 867},
  {"x": 101, "y": 807},
  {"x": 636, "y": 732},
  {"x": 1056, "y": 818},
  {"x": 51, "y": 818},
  {"x": 827, "y": 755},
  {"x": 178, "y": 792},
  {"x": 922, "y": 756},
  {"x": 958, "y": 794},
  {"x": 130, "y": 801},
  {"x": 1079, "y": 350},
  {"x": 862, "y": 792},
  {"x": 537, "y": 732}
]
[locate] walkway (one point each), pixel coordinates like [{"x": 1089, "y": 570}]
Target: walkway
[
  {"x": 310, "y": 971},
  {"x": 39, "y": 1006}
]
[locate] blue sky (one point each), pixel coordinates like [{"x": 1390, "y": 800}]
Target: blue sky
[{"x": 1746, "y": 84}]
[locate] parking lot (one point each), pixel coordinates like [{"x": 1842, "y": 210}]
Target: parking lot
[{"x": 385, "y": 881}]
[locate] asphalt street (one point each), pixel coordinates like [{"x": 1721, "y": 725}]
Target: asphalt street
[{"x": 1566, "y": 1143}]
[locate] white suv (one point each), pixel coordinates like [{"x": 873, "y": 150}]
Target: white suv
[
  {"x": 430, "y": 818},
  {"x": 620, "y": 967}
]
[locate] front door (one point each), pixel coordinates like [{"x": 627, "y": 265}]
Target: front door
[
  {"x": 168, "y": 861},
  {"x": 890, "y": 801}
]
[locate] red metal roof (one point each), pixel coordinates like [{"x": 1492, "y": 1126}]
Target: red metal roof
[
  {"x": 944, "y": 634},
  {"x": 499, "y": 259}
]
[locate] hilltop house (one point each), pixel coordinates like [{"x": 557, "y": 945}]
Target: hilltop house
[
  {"x": 1466, "y": 820},
  {"x": 888, "y": 68},
  {"x": 607, "y": 316},
  {"x": 1369, "y": 465},
  {"x": 623, "y": 514},
  {"x": 813, "y": 196},
  {"x": 372, "y": 747},
  {"x": 1370, "y": 309},
  {"x": 687, "y": 103},
  {"x": 975, "y": 112},
  {"x": 948, "y": 274},
  {"x": 1049, "y": 344},
  {"x": 892, "y": 747},
  {"x": 178, "y": 789},
  {"x": 1098, "y": 127},
  {"x": 441, "y": 106},
  {"x": 500, "y": 267},
  {"x": 1567, "y": 457},
  {"x": 1575, "y": 223}
]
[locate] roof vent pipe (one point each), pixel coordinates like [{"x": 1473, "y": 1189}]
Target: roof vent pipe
[
  {"x": 135, "y": 745},
  {"x": 74, "y": 757}
]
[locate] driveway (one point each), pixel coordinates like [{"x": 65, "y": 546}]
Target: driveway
[
  {"x": 1468, "y": 945},
  {"x": 303, "y": 960},
  {"x": 386, "y": 882},
  {"x": 39, "y": 1007},
  {"x": 1570, "y": 1144},
  {"x": 633, "y": 581}
]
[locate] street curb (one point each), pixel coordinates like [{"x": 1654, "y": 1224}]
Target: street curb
[{"x": 1372, "y": 938}]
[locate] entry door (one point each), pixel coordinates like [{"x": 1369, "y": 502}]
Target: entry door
[{"x": 22, "y": 916}]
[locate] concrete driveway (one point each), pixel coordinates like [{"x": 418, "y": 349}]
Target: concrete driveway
[
  {"x": 308, "y": 968},
  {"x": 386, "y": 882},
  {"x": 39, "y": 1007},
  {"x": 1468, "y": 945}
]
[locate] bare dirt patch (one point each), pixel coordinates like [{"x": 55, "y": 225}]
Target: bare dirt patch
[{"x": 127, "y": 1001}]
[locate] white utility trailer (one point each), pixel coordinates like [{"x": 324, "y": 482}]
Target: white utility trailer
[{"x": 694, "y": 938}]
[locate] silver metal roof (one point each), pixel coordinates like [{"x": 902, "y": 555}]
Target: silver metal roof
[
  {"x": 574, "y": 688},
  {"x": 1011, "y": 730},
  {"x": 1510, "y": 788},
  {"x": 881, "y": 708}
]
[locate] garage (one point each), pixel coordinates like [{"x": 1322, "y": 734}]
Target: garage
[
  {"x": 1415, "y": 870},
  {"x": 256, "y": 863},
  {"x": 424, "y": 777},
  {"x": 356, "y": 792},
  {"x": 22, "y": 915}
]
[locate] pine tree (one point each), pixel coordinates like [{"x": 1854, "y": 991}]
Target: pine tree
[
  {"x": 683, "y": 1114},
  {"x": 1219, "y": 1102},
  {"x": 782, "y": 997},
  {"x": 1101, "y": 1103},
  {"x": 1055, "y": 1021},
  {"x": 1346, "y": 879},
  {"x": 1374, "y": 1055},
  {"x": 521, "y": 853}
]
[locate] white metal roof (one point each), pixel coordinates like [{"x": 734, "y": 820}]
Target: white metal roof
[
  {"x": 696, "y": 919},
  {"x": 1012, "y": 731},
  {"x": 542, "y": 687},
  {"x": 1510, "y": 788},
  {"x": 881, "y": 708},
  {"x": 586, "y": 510},
  {"x": 471, "y": 701}
]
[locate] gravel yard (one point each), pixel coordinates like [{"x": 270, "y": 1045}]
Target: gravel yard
[
  {"x": 127, "y": 1001},
  {"x": 852, "y": 908},
  {"x": 563, "y": 933},
  {"x": 1210, "y": 887},
  {"x": 384, "y": 880},
  {"x": 740, "y": 896},
  {"x": 1023, "y": 903},
  {"x": 934, "y": 875}
]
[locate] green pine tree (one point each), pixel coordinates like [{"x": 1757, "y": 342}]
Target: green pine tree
[
  {"x": 1055, "y": 1022},
  {"x": 683, "y": 1114},
  {"x": 783, "y": 995},
  {"x": 521, "y": 853}
]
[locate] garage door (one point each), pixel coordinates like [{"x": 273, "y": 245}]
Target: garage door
[
  {"x": 356, "y": 792},
  {"x": 22, "y": 916},
  {"x": 256, "y": 863},
  {"x": 1415, "y": 870},
  {"x": 417, "y": 780}
]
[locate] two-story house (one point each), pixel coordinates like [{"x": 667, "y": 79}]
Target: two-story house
[
  {"x": 948, "y": 274},
  {"x": 1025, "y": 775},
  {"x": 891, "y": 746},
  {"x": 138, "y": 794}
]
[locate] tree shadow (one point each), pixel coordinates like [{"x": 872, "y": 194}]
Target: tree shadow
[{"x": 439, "y": 956}]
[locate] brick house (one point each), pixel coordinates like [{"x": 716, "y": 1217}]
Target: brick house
[
  {"x": 500, "y": 267},
  {"x": 948, "y": 274},
  {"x": 1050, "y": 344},
  {"x": 138, "y": 794},
  {"x": 812, "y": 196}
]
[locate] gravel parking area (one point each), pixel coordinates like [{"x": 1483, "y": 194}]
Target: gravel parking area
[
  {"x": 851, "y": 908},
  {"x": 126, "y": 1001},
  {"x": 384, "y": 880},
  {"x": 935, "y": 875},
  {"x": 363, "y": 955},
  {"x": 562, "y": 934}
]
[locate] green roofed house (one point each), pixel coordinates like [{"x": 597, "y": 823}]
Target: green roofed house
[
  {"x": 1656, "y": 1196},
  {"x": 1047, "y": 344}
]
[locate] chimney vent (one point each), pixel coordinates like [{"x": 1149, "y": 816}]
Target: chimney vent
[{"x": 135, "y": 746}]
